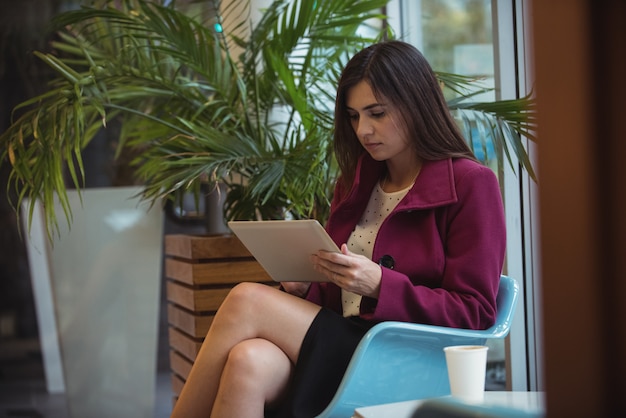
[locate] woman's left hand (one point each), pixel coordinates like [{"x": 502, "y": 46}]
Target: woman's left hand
[{"x": 352, "y": 272}]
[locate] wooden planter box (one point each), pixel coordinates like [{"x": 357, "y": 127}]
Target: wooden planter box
[{"x": 200, "y": 272}]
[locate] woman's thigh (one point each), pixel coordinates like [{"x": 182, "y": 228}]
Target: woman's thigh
[{"x": 253, "y": 310}]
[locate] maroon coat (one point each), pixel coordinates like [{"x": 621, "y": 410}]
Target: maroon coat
[{"x": 447, "y": 240}]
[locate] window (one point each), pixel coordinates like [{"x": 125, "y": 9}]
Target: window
[{"x": 486, "y": 38}]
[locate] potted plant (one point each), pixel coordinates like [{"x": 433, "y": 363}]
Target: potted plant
[
  {"x": 205, "y": 97},
  {"x": 207, "y": 100}
]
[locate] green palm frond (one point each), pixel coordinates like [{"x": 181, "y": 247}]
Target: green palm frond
[
  {"x": 501, "y": 125},
  {"x": 504, "y": 123},
  {"x": 210, "y": 98}
]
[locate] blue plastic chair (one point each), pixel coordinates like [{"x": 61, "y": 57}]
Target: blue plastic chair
[{"x": 399, "y": 361}]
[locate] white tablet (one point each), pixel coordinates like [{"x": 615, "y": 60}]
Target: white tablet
[{"x": 283, "y": 248}]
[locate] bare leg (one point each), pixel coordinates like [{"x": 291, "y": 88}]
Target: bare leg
[
  {"x": 257, "y": 373},
  {"x": 251, "y": 311}
]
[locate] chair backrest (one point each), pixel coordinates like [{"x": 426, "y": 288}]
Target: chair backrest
[{"x": 506, "y": 302}]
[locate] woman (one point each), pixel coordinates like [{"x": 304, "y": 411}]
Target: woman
[{"x": 421, "y": 229}]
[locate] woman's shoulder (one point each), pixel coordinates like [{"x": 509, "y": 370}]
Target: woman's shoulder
[
  {"x": 473, "y": 177},
  {"x": 465, "y": 166}
]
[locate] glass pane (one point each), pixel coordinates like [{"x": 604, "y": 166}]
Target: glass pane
[{"x": 456, "y": 36}]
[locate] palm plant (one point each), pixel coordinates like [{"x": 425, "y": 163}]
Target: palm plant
[{"x": 206, "y": 100}]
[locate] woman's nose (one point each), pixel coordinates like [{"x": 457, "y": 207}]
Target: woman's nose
[{"x": 363, "y": 128}]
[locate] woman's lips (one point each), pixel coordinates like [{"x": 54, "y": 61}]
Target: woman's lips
[{"x": 372, "y": 146}]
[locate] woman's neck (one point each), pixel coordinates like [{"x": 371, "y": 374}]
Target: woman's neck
[{"x": 399, "y": 177}]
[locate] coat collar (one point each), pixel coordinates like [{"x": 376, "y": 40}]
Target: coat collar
[{"x": 433, "y": 187}]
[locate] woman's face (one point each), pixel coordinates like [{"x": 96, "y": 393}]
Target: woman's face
[{"x": 377, "y": 125}]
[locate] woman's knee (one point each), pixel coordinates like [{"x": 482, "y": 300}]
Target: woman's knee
[
  {"x": 256, "y": 360},
  {"x": 246, "y": 294},
  {"x": 241, "y": 303},
  {"x": 257, "y": 368}
]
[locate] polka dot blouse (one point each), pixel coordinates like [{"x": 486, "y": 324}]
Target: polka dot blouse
[{"x": 361, "y": 241}]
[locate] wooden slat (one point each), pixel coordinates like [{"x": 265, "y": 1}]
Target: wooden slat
[
  {"x": 222, "y": 272},
  {"x": 195, "y": 299},
  {"x": 201, "y": 270},
  {"x": 184, "y": 344},
  {"x": 177, "y": 386},
  {"x": 192, "y": 323},
  {"x": 180, "y": 365},
  {"x": 199, "y": 247}
]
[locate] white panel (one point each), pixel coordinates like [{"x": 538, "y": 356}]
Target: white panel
[
  {"x": 37, "y": 248},
  {"x": 105, "y": 279}
]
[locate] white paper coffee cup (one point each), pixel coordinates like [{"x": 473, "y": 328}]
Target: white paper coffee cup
[{"x": 467, "y": 367}]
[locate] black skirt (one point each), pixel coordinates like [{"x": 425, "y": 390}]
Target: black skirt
[{"x": 326, "y": 351}]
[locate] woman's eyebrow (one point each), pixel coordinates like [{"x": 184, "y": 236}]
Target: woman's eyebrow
[{"x": 370, "y": 106}]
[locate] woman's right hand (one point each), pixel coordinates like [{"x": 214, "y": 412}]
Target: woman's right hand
[{"x": 299, "y": 289}]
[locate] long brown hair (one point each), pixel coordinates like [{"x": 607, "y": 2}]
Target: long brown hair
[{"x": 399, "y": 73}]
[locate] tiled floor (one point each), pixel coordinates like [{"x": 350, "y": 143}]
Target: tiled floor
[{"x": 28, "y": 398}]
